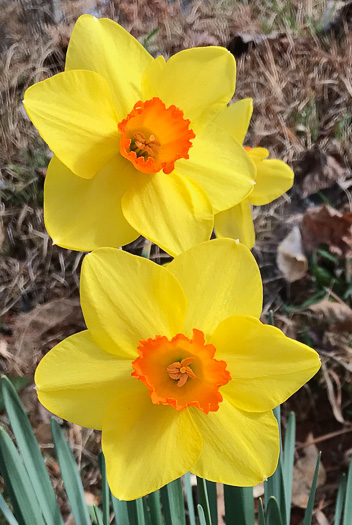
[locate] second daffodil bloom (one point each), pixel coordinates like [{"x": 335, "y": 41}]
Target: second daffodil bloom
[
  {"x": 274, "y": 177},
  {"x": 136, "y": 147},
  {"x": 176, "y": 368}
]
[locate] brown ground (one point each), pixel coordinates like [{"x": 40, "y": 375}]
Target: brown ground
[{"x": 295, "y": 60}]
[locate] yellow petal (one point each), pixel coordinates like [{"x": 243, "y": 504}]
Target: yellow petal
[
  {"x": 85, "y": 214},
  {"x": 239, "y": 448},
  {"x": 274, "y": 178},
  {"x": 258, "y": 154},
  {"x": 126, "y": 299},
  {"x": 199, "y": 81},
  {"x": 105, "y": 47},
  {"x": 236, "y": 118},
  {"x": 75, "y": 115},
  {"x": 266, "y": 366},
  {"x": 170, "y": 210},
  {"x": 220, "y": 278},
  {"x": 236, "y": 223},
  {"x": 219, "y": 164},
  {"x": 146, "y": 446},
  {"x": 77, "y": 380}
]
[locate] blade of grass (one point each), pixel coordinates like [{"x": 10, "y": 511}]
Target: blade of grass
[
  {"x": 104, "y": 489},
  {"x": 176, "y": 502},
  {"x": 155, "y": 508},
  {"x": 273, "y": 514},
  {"x": 287, "y": 463},
  {"x": 274, "y": 486},
  {"x": 120, "y": 511},
  {"x": 347, "y": 515},
  {"x": 310, "y": 507},
  {"x": 239, "y": 505},
  {"x": 213, "y": 501},
  {"x": 70, "y": 475},
  {"x": 189, "y": 499},
  {"x": 18, "y": 486},
  {"x": 147, "y": 518},
  {"x": 203, "y": 499},
  {"x": 261, "y": 516},
  {"x": 201, "y": 515},
  {"x": 140, "y": 512},
  {"x": 6, "y": 512},
  {"x": 31, "y": 454},
  {"x": 340, "y": 499}
]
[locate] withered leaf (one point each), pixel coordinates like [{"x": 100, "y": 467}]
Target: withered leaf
[
  {"x": 325, "y": 225},
  {"x": 318, "y": 170},
  {"x": 303, "y": 473},
  {"x": 290, "y": 257},
  {"x": 337, "y": 313}
]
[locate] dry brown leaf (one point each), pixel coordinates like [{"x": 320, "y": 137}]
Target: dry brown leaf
[
  {"x": 337, "y": 313},
  {"x": 290, "y": 257},
  {"x": 303, "y": 473},
  {"x": 325, "y": 225},
  {"x": 318, "y": 170}
]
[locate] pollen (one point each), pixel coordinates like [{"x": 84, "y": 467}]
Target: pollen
[
  {"x": 181, "y": 372},
  {"x": 154, "y": 137}
]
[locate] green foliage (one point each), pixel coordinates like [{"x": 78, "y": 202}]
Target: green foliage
[{"x": 29, "y": 498}]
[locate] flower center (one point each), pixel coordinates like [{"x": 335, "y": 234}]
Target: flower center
[
  {"x": 153, "y": 136},
  {"x": 181, "y": 372}
]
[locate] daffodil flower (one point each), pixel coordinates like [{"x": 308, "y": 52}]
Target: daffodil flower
[
  {"x": 273, "y": 179},
  {"x": 136, "y": 148},
  {"x": 176, "y": 368}
]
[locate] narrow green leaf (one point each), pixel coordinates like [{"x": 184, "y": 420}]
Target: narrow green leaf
[
  {"x": 287, "y": 463},
  {"x": 213, "y": 501},
  {"x": 98, "y": 515},
  {"x": 189, "y": 499},
  {"x": 31, "y": 454},
  {"x": 104, "y": 490},
  {"x": 6, "y": 512},
  {"x": 201, "y": 515},
  {"x": 347, "y": 515},
  {"x": 176, "y": 502},
  {"x": 147, "y": 518},
  {"x": 19, "y": 383},
  {"x": 132, "y": 512},
  {"x": 120, "y": 511},
  {"x": 165, "y": 505},
  {"x": 70, "y": 475},
  {"x": 239, "y": 505},
  {"x": 203, "y": 499},
  {"x": 274, "y": 486},
  {"x": 140, "y": 511},
  {"x": 155, "y": 508},
  {"x": 17, "y": 484},
  {"x": 310, "y": 507},
  {"x": 340, "y": 500},
  {"x": 272, "y": 513},
  {"x": 261, "y": 517}
]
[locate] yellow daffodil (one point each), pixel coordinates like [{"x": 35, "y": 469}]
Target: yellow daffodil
[
  {"x": 176, "y": 368},
  {"x": 136, "y": 149},
  {"x": 273, "y": 179}
]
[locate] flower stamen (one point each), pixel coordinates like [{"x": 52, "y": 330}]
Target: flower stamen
[{"x": 180, "y": 371}]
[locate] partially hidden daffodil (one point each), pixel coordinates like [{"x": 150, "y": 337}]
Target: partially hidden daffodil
[
  {"x": 274, "y": 177},
  {"x": 136, "y": 150},
  {"x": 175, "y": 368}
]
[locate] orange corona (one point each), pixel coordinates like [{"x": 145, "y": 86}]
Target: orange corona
[
  {"x": 181, "y": 372},
  {"x": 154, "y": 137}
]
